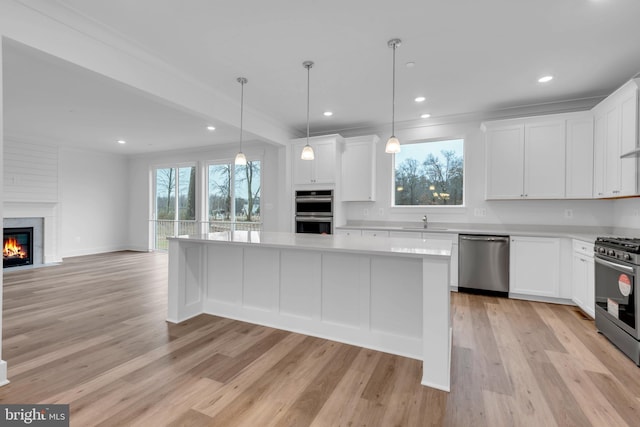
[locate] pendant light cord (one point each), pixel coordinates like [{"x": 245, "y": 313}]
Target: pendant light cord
[
  {"x": 242, "y": 82},
  {"x": 308, "y": 66},
  {"x": 393, "y": 94}
]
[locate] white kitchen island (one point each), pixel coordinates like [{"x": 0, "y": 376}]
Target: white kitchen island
[{"x": 387, "y": 294}]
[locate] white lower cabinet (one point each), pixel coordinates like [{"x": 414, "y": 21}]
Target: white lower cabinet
[
  {"x": 534, "y": 266},
  {"x": 583, "y": 276}
]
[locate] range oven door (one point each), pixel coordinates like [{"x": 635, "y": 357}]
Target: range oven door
[
  {"x": 314, "y": 224},
  {"x": 616, "y": 295}
]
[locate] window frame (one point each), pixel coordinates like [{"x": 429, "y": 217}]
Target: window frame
[{"x": 460, "y": 209}]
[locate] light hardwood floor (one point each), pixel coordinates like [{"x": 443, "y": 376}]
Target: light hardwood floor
[{"x": 92, "y": 333}]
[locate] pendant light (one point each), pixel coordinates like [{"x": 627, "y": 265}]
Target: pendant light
[
  {"x": 393, "y": 144},
  {"x": 307, "y": 151},
  {"x": 241, "y": 159}
]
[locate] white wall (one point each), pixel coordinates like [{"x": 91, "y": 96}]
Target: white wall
[
  {"x": 94, "y": 202},
  {"x": 140, "y": 195},
  {"x": 626, "y": 214},
  {"x": 547, "y": 212}
]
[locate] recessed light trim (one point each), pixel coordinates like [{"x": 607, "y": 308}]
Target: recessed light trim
[
  {"x": 425, "y": 116},
  {"x": 545, "y": 79},
  {"x": 328, "y": 113},
  {"x": 420, "y": 99},
  {"x": 121, "y": 141},
  {"x": 211, "y": 128}
]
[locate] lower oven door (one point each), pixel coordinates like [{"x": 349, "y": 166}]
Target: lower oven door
[
  {"x": 616, "y": 294},
  {"x": 314, "y": 225}
]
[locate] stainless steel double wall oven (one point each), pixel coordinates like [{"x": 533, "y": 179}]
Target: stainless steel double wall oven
[
  {"x": 617, "y": 265},
  {"x": 314, "y": 211}
]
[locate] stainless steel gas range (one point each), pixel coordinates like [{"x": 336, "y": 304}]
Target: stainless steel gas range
[{"x": 617, "y": 265}]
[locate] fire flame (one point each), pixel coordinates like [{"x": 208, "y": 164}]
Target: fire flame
[{"x": 13, "y": 249}]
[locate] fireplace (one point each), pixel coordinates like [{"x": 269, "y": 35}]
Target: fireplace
[{"x": 18, "y": 247}]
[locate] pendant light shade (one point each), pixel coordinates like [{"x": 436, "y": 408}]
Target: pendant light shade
[
  {"x": 307, "y": 151},
  {"x": 241, "y": 159},
  {"x": 393, "y": 144}
]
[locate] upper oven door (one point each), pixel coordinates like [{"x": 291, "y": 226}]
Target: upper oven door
[
  {"x": 616, "y": 295},
  {"x": 314, "y": 203}
]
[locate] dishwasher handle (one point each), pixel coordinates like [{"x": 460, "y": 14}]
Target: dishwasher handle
[{"x": 485, "y": 238}]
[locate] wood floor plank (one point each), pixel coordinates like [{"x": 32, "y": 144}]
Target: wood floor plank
[
  {"x": 589, "y": 397},
  {"x": 95, "y": 337}
]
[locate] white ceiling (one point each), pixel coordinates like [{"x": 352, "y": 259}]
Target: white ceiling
[{"x": 471, "y": 58}]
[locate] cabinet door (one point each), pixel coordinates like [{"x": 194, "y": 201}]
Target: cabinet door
[
  {"x": 628, "y": 141},
  {"x": 599, "y": 153},
  {"x": 580, "y": 166},
  {"x": 505, "y": 162},
  {"x": 544, "y": 155},
  {"x": 579, "y": 280},
  {"x": 324, "y": 163},
  {"x": 320, "y": 170},
  {"x": 358, "y": 171},
  {"x": 590, "y": 298},
  {"x": 302, "y": 169},
  {"x": 534, "y": 266},
  {"x": 612, "y": 152}
]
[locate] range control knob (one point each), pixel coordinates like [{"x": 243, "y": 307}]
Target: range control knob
[
  {"x": 611, "y": 252},
  {"x": 627, "y": 257},
  {"x": 602, "y": 250}
]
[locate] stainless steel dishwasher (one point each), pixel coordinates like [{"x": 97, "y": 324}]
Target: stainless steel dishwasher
[{"x": 483, "y": 263}]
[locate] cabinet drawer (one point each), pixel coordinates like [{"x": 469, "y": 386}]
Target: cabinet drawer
[{"x": 582, "y": 247}]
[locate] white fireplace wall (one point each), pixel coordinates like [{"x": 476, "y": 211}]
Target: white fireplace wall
[{"x": 81, "y": 195}]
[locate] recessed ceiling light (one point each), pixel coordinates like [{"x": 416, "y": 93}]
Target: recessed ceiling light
[
  {"x": 122, "y": 141},
  {"x": 425, "y": 116},
  {"x": 211, "y": 128},
  {"x": 410, "y": 64},
  {"x": 420, "y": 99},
  {"x": 328, "y": 113},
  {"x": 545, "y": 79}
]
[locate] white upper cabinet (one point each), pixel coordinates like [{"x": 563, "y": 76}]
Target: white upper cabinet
[
  {"x": 525, "y": 158},
  {"x": 505, "y": 161},
  {"x": 358, "y": 180},
  {"x": 616, "y": 133},
  {"x": 320, "y": 170},
  {"x": 544, "y": 159},
  {"x": 579, "y": 173}
]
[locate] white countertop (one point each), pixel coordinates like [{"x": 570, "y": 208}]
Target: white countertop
[{"x": 335, "y": 243}]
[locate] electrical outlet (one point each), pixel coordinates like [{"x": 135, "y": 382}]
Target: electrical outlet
[
  {"x": 636, "y": 212},
  {"x": 365, "y": 212},
  {"x": 381, "y": 212},
  {"x": 479, "y": 212},
  {"x": 568, "y": 213}
]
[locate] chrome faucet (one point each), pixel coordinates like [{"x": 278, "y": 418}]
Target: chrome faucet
[{"x": 424, "y": 221}]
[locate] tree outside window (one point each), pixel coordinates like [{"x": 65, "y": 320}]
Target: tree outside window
[
  {"x": 429, "y": 174},
  {"x": 234, "y": 192}
]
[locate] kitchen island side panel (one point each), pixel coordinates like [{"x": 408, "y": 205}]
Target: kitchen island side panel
[{"x": 394, "y": 303}]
